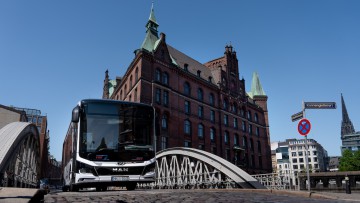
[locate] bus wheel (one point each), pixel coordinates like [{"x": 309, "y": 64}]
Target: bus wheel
[
  {"x": 73, "y": 188},
  {"x": 104, "y": 188},
  {"x": 131, "y": 186},
  {"x": 98, "y": 189}
]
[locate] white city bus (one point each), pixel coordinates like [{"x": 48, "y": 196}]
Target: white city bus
[{"x": 109, "y": 143}]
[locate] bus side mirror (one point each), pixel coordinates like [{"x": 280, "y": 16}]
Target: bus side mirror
[{"x": 75, "y": 114}]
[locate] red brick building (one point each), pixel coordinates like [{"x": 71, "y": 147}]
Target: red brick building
[{"x": 203, "y": 106}]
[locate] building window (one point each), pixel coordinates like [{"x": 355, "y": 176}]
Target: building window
[
  {"x": 315, "y": 159},
  {"x": 257, "y": 131},
  {"x": 226, "y": 120},
  {"x": 166, "y": 98},
  {"x": 164, "y": 122},
  {"x": 187, "y": 127},
  {"x": 187, "y": 143},
  {"x": 294, "y": 160},
  {"x": 250, "y": 129},
  {"x": 136, "y": 74},
  {"x": 226, "y": 137},
  {"x": 158, "y": 96},
  {"x": 234, "y": 108},
  {"x": 212, "y": 134},
  {"x": 187, "y": 90},
  {"x": 235, "y": 123},
  {"x": 251, "y": 145},
  {"x": 225, "y": 104},
  {"x": 301, "y": 160},
  {"x": 260, "y": 162},
  {"x": 293, "y": 153},
  {"x": 199, "y": 73},
  {"x": 316, "y": 166},
  {"x": 295, "y": 166},
  {"x": 164, "y": 142},
  {"x": 300, "y": 147},
  {"x": 242, "y": 113},
  {"x": 158, "y": 75},
  {"x": 259, "y": 146},
  {"x": 249, "y": 115},
  {"x": 213, "y": 150},
  {"x": 212, "y": 116},
  {"x": 211, "y": 99},
  {"x": 135, "y": 94},
  {"x": 130, "y": 97},
  {"x": 243, "y": 126},
  {"x": 244, "y": 142},
  {"x": 186, "y": 67},
  {"x": 236, "y": 139},
  {"x": 256, "y": 117},
  {"x": 201, "y": 111},
  {"x": 314, "y": 152},
  {"x": 131, "y": 82},
  {"x": 300, "y": 153},
  {"x": 165, "y": 78},
  {"x": 201, "y": 131},
  {"x": 227, "y": 155},
  {"x": 210, "y": 79},
  {"x": 200, "y": 94},
  {"x": 121, "y": 95},
  {"x": 187, "y": 107}
]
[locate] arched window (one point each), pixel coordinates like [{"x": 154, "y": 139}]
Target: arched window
[
  {"x": 135, "y": 95},
  {"x": 201, "y": 130},
  {"x": 121, "y": 95},
  {"x": 259, "y": 146},
  {"x": 200, "y": 94},
  {"x": 158, "y": 75},
  {"x": 249, "y": 115},
  {"x": 165, "y": 78},
  {"x": 187, "y": 127},
  {"x": 187, "y": 89},
  {"x": 256, "y": 117},
  {"x": 164, "y": 122},
  {"x": 130, "y": 82},
  {"x": 136, "y": 74},
  {"x": 235, "y": 108}
]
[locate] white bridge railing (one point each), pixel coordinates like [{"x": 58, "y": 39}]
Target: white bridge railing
[
  {"x": 276, "y": 181},
  {"x": 188, "y": 168}
]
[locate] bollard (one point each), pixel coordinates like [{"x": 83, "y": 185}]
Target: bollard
[{"x": 347, "y": 185}]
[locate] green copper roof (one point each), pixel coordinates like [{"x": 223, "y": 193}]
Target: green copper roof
[
  {"x": 256, "y": 88},
  {"x": 152, "y": 15},
  {"x": 112, "y": 85},
  {"x": 151, "y": 33}
]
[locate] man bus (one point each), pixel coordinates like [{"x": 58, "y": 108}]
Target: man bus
[{"x": 109, "y": 143}]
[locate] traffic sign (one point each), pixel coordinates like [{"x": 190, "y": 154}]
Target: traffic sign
[
  {"x": 304, "y": 126},
  {"x": 297, "y": 116},
  {"x": 320, "y": 105}
]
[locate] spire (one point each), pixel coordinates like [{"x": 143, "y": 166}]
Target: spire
[
  {"x": 106, "y": 86},
  {"x": 151, "y": 32},
  {"x": 256, "y": 87},
  {"x": 347, "y": 127}
]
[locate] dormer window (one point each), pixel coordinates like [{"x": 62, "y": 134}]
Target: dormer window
[
  {"x": 210, "y": 79},
  {"x": 186, "y": 66},
  {"x": 198, "y": 73}
]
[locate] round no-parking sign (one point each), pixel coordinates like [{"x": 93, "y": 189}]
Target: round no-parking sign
[{"x": 304, "y": 126}]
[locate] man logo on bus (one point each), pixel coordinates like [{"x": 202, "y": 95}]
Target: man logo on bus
[{"x": 120, "y": 169}]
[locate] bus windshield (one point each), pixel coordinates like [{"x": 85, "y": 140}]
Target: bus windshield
[{"x": 116, "y": 132}]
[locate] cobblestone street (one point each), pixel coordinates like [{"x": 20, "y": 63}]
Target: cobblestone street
[{"x": 197, "y": 196}]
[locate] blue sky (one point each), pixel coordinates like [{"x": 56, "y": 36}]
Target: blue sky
[{"x": 55, "y": 53}]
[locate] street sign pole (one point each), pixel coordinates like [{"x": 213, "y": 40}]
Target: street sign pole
[{"x": 306, "y": 153}]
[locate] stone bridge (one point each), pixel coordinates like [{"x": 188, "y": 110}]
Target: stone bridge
[{"x": 19, "y": 155}]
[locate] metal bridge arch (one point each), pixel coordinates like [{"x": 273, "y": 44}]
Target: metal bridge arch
[
  {"x": 192, "y": 168},
  {"x": 19, "y": 155}
]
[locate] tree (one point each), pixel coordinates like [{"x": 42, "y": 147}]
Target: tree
[{"x": 350, "y": 161}]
